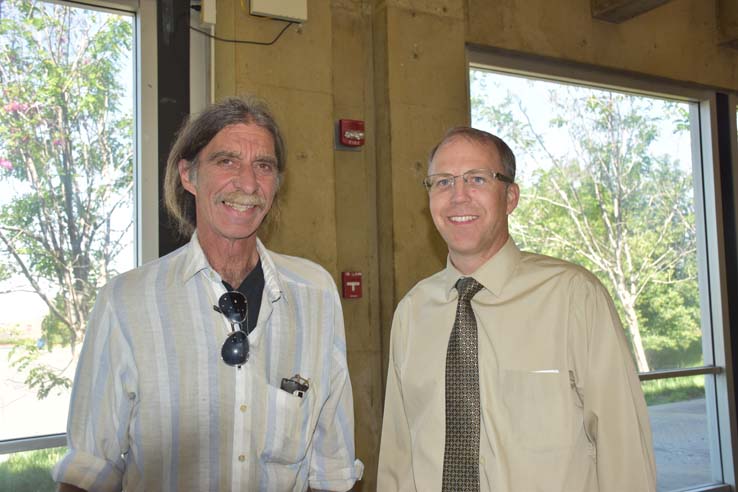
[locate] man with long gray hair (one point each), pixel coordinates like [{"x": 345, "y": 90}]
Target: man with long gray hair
[{"x": 221, "y": 366}]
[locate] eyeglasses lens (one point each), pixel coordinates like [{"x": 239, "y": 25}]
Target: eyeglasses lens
[
  {"x": 233, "y": 306},
  {"x": 235, "y": 351}
]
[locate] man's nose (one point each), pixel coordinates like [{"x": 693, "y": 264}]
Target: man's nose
[
  {"x": 245, "y": 178},
  {"x": 459, "y": 190}
]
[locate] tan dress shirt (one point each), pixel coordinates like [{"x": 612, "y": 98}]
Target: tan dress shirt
[{"x": 562, "y": 406}]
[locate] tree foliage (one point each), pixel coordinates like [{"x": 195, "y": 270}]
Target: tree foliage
[
  {"x": 66, "y": 151},
  {"x": 603, "y": 196}
]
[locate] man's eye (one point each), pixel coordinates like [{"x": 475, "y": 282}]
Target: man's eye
[
  {"x": 264, "y": 167},
  {"x": 443, "y": 182},
  {"x": 477, "y": 179},
  {"x": 225, "y": 162}
]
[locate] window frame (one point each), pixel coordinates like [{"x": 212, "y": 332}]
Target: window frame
[
  {"x": 146, "y": 235},
  {"x": 711, "y": 226}
]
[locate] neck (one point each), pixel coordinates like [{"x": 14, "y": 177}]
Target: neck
[
  {"x": 468, "y": 264},
  {"x": 233, "y": 259}
]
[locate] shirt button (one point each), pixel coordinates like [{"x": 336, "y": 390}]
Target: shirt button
[
  {"x": 241, "y": 458},
  {"x": 243, "y": 408},
  {"x": 482, "y": 461}
]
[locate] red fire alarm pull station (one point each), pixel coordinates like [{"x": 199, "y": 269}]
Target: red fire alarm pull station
[
  {"x": 351, "y": 133},
  {"x": 351, "y": 282}
]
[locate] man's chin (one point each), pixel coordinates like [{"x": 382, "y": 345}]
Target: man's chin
[
  {"x": 229, "y": 233},
  {"x": 462, "y": 246}
]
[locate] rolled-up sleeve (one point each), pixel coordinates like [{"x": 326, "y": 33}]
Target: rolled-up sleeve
[{"x": 102, "y": 401}]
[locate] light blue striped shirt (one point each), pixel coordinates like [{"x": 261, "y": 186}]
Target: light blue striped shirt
[{"x": 155, "y": 408}]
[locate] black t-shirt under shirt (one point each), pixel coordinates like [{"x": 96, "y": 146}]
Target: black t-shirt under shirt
[{"x": 252, "y": 287}]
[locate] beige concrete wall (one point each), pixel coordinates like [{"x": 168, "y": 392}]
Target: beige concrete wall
[
  {"x": 356, "y": 222},
  {"x": 401, "y": 66},
  {"x": 677, "y": 40}
]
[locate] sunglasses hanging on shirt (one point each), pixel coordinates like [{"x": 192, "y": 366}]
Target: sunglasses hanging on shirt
[{"x": 235, "y": 350}]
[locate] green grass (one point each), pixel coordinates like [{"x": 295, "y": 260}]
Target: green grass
[
  {"x": 6, "y": 339},
  {"x": 30, "y": 471},
  {"x": 659, "y": 391},
  {"x": 11, "y": 340}
]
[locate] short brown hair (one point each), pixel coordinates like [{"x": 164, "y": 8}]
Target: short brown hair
[{"x": 481, "y": 137}]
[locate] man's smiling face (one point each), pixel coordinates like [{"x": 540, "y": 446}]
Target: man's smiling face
[
  {"x": 472, "y": 221},
  {"x": 234, "y": 183}
]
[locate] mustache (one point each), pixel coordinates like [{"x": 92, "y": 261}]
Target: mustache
[{"x": 242, "y": 198}]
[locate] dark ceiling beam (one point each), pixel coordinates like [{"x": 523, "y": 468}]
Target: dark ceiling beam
[
  {"x": 727, "y": 23},
  {"x": 618, "y": 11}
]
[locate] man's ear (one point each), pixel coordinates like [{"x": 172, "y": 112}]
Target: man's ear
[
  {"x": 185, "y": 173},
  {"x": 512, "y": 197}
]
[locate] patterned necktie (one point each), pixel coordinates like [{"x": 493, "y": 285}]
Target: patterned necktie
[{"x": 461, "y": 453}]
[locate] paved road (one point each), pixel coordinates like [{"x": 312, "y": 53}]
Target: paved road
[
  {"x": 681, "y": 443},
  {"x": 21, "y": 414}
]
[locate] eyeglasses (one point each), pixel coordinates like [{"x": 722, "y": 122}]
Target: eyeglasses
[
  {"x": 476, "y": 178},
  {"x": 233, "y": 306}
]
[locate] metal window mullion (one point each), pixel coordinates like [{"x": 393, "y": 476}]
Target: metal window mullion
[
  {"x": 33, "y": 443},
  {"x": 679, "y": 373}
]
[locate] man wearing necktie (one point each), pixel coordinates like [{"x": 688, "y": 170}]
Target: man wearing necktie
[{"x": 508, "y": 371}]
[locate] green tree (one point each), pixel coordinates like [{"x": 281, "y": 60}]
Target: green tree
[
  {"x": 66, "y": 150},
  {"x": 604, "y": 198}
]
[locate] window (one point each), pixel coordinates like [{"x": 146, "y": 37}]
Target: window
[
  {"x": 72, "y": 208},
  {"x": 619, "y": 179}
]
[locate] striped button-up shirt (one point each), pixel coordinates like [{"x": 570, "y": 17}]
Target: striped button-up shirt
[{"x": 155, "y": 408}]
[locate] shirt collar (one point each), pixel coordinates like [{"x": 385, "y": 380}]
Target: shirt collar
[
  {"x": 272, "y": 283},
  {"x": 197, "y": 262},
  {"x": 493, "y": 274}
]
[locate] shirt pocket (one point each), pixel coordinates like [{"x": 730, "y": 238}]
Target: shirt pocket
[
  {"x": 287, "y": 432},
  {"x": 539, "y": 408}
]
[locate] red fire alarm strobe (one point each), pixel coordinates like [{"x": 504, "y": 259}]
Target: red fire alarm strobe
[
  {"x": 351, "y": 282},
  {"x": 351, "y": 133}
]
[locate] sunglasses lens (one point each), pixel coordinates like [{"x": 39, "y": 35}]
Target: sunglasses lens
[
  {"x": 235, "y": 350},
  {"x": 233, "y": 305}
]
